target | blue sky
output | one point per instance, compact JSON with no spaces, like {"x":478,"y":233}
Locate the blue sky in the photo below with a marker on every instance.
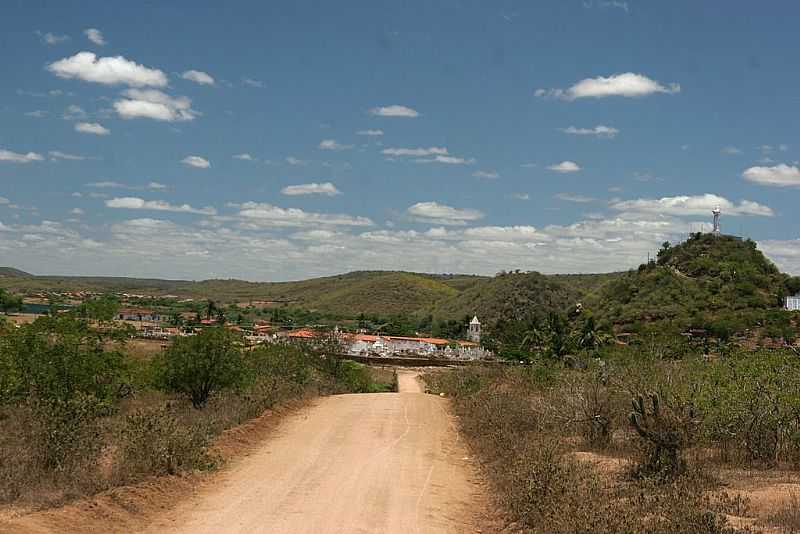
{"x":281,"y":140}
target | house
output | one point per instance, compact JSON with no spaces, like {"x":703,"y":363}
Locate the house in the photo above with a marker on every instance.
{"x":138,"y":314}
{"x":793,"y":303}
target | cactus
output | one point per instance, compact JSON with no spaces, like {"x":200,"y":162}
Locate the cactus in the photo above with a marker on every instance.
{"x":666,"y":431}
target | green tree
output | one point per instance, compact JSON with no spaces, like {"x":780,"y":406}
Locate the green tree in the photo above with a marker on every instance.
{"x":9,"y":302}
{"x":102,"y":309}
{"x":199,"y":366}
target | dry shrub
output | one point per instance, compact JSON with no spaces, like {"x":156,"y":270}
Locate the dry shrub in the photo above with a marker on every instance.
{"x":786,"y":518}
{"x":509,"y":423}
{"x":154,"y":442}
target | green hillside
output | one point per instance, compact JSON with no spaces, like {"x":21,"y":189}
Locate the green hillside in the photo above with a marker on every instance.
{"x":705,"y":282}
{"x":513,"y":297}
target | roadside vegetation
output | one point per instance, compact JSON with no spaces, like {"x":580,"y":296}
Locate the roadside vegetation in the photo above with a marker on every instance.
{"x":631,"y":443}
{"x":79,"y":414}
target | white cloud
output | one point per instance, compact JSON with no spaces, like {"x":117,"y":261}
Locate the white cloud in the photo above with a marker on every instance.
{"x":36,"y":114}
{"x":325,"y":188}
{"x":196,"y":161}
{"x":565,"y":167}
{"x":258,"y":84}
{"x":394,"y":111}
{"x":291,"y":160}
{"x":107,"y":185}
{"x":58,"y":155}
{"x":371,"y":133}
{"x":417,"y":152}
{"x":435,"y":213}
{"x":451,"y":160}
{"x":74,"y":112}
{"x":627,"y":84}
{"x":597,"y":131}
{"x":52,"y":39}
{"x":134,"y":203}
{"x":77,"y":211}
{"x":198,"y":76}
{"x":116,"y":70}
{"x":156,"y":186}
{"x":154,"y":104}
{"x":91,"y":128}
{"x":95,"y":36}
{"x":331,"y":144}
{"x":269,"y":215}
{"x":521,"y":196}
{"x":693,"y":205}
{"x":15,"y":157}
{"x":572,"y":197}
{"x":486,"y":174}
{"x":780,"y":175}
{"x":244,"y":157}
{"x":731,"y":151}
{"x":4,"y":200}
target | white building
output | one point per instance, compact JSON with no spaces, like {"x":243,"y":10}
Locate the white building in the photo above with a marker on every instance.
{"x":793,"y":303}
{"x":474,"y":330}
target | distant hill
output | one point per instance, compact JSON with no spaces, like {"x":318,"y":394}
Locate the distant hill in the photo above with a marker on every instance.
{"x":700,"y":283}
{"x":514,"y":297}
{"x":9,"y":272}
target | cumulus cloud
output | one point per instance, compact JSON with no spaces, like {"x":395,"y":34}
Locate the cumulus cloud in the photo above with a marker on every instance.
{"x":371,"y":133}
{"x":572,"y":197}
{"x":597,"y":131}
{"x":135,"y":203}
{"x":686,"y":205}
{"x":244,"y":157}
{"x":565,"y":167}
{"x":52,"y":38}
{"x":417,"y":152}
{"x":107,"y":185}
{"x":325,"y":188}
{"x":198,"y":76}
{"x":156,"y":186}
{"x":520,"y":196}
{"x":628,"y":84}
{"x":250,"y":82}
{"x":36,"y":114}
{"x":16,"y":157}
{"x":731,"y":151}
{"x":435,"y":213}
{"x":451,"y":160}
{"x":58,"y":155}
{"x":269,"y":215}
{"x":331,"y":144}
{"x":95,"y":36}
{"x":394,"y":111}
{"x":296,"y":162}
{"x":486,"y":174}
{"x":196,"y":161}
{"x":780,"y":175}
{"x":116,"y":70}
{"x":91,"y":128}
{"x":154,"y":104}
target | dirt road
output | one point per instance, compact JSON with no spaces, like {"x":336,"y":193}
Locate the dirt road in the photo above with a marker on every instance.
{"x":377,"y":463}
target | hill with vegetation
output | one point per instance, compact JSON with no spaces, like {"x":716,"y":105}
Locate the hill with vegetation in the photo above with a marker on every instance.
{"x":514,"y":296}
{"x":9,"y":272}
{"x":720,"y":283}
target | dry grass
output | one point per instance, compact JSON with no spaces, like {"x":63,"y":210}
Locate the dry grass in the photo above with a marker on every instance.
{"x":532,"y":431}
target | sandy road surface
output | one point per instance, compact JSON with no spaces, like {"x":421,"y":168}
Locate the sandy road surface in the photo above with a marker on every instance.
{"x":378,"y":463}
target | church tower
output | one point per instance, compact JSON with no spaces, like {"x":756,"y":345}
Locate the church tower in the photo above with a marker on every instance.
{"x":474,"y":330}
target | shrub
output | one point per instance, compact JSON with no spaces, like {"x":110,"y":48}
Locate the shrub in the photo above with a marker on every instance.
{"x":199,"y":366}
{"x":60,"y":358}
{"x":154,"y":442}
{"x":66,"y":434}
